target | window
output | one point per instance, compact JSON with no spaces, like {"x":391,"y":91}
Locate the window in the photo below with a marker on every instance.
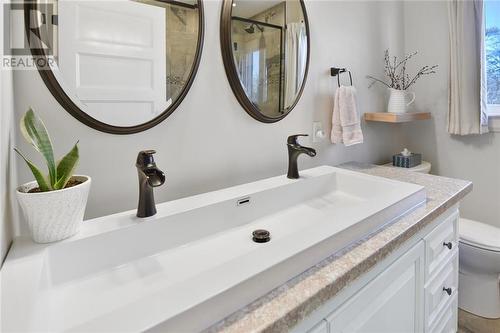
{"x":492,"y":50}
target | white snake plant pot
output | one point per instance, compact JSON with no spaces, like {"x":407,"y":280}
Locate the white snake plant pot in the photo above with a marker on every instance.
{"x":54,"y":215}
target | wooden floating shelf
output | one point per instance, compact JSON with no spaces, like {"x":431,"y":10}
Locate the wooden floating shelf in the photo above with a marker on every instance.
{"x":387,"y":117}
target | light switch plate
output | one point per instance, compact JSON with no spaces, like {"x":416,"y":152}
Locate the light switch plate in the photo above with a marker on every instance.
{"x":318,"y":134}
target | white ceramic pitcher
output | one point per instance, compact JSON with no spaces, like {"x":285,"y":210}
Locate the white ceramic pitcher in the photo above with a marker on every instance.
{"x":398,"y":100}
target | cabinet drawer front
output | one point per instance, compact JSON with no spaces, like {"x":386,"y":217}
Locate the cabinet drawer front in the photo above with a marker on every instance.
{"x":441,"y":289}
{"x":390,"y":303}
{"x":440,"y":244}
{"x":448,"y":320}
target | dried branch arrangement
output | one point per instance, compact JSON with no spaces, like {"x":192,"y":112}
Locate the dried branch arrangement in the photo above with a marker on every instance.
{"x":396,"y":72}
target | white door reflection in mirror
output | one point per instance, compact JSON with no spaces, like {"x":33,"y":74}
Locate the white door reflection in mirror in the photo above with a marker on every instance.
{"x":121,"y":66}
{"x":112,"y":59}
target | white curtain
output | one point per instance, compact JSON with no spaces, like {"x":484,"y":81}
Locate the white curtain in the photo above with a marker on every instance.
{"x":251,"y":69}
{"x":8,"y":177}
{"x":244,"y":64}
{"x":295,"y":60}
{"x":467,"y":86}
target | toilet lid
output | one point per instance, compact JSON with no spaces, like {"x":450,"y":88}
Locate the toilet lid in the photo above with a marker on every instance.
{"x":480,"y":234}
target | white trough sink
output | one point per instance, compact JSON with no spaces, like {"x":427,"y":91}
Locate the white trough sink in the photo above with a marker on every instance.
{"x":194,"y":262}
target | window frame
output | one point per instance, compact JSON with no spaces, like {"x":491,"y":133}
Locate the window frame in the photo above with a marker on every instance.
{"x":493,"y":110}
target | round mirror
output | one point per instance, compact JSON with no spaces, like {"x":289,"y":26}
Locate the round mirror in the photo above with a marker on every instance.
{"x":119,"y":66}
{"x":265,"y":47}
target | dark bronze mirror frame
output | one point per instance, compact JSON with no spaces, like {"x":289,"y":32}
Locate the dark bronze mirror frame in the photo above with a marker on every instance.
{"x":66,"y":102}
{"x":232,"y":74}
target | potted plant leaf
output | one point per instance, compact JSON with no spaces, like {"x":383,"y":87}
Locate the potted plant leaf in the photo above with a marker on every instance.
{"x":53,"y":204}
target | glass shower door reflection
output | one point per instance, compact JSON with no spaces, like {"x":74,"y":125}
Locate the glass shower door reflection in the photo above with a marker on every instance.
{"x":257,"y":50}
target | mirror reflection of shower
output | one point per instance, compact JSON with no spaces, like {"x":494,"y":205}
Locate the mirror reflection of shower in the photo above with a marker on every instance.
{"x":269,"y":51}
{"x":251,"y":28}
{"x":257,"y":52}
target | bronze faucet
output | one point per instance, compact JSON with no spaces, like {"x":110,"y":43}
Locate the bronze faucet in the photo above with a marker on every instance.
{"x":294,"y":151}
{"x":149,"y":176}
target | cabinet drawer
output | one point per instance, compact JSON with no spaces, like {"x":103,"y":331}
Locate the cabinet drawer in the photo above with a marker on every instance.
{"x":392,"y":302}
{"x":441,"y":289}
{"x":440,"y":244}
{"x":447,"y":322}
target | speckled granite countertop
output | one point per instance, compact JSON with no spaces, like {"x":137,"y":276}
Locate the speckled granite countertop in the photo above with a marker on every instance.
{"x":284,"y":307}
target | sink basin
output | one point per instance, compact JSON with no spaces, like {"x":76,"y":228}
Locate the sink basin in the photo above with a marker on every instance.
{"x":194,"y":262}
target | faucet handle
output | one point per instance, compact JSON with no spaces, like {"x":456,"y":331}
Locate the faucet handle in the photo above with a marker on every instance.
{"x":292,"y":139}
{"x":145,"y":158}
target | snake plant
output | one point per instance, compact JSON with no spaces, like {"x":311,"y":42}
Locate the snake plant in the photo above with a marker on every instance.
{"x":60,"y":173}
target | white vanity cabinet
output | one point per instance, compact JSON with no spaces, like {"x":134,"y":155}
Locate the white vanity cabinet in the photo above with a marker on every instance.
{"x":413,"y":290}
{"x":391,"y":302}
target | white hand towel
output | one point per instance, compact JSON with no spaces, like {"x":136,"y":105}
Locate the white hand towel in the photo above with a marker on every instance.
{"x":346,"y":126}
{"x":336,"y":135}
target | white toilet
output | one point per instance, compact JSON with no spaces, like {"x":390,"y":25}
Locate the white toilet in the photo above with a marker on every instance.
{"x":479,"y":284}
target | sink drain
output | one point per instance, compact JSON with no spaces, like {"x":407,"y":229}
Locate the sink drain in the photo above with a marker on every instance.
{"x":261,"y":236}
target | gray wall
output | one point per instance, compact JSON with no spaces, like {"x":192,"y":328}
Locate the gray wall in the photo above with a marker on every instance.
{"x":210,"y":142}
{"x":474,"y":158}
